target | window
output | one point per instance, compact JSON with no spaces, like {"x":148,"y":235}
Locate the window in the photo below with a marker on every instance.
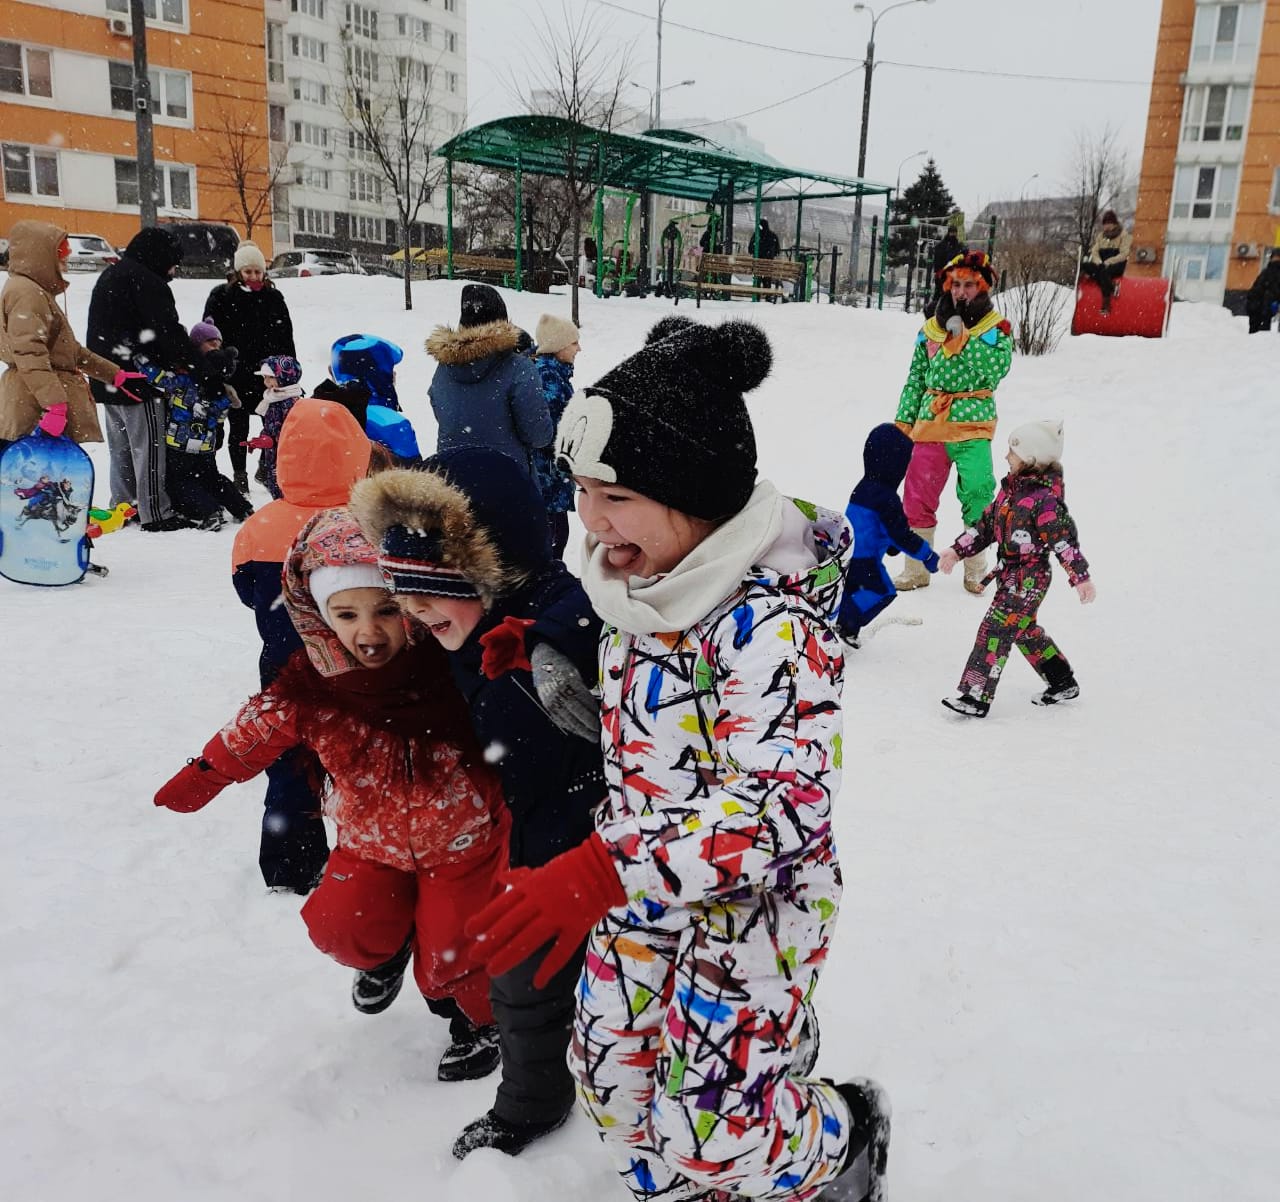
{"x":1197,"y":261}
{"x":312,"y":49}
{"x":413,"y":27}
{"x":308,"y":8}
{"x":172,"y":190}
{"x":275,"y":52}
{"x":1215,"y":114}
{"x":312,"y":177}
{"x":1226,"y":33}
{"x":453,"y":81}
{"x":1202,"y":193}
{"x":30,"y":172}
{"x":307,"y":133}
{"x":362,"y":22}
{"x":1275,"y":192}
{"x":277,"y":127}
{"x":451,"y":42}
{"x":450,"y":6}
{"x":313,"y":221}
{"x":364,"y":185}
{"x":359,"y":146}
{"x":310,"y":90}
{"x":168,"y":90}
{"x":362,"y":64}
{"x":25,"y":72}
{"x":414,"y":72}
{"x":367,"y":229}
{"x":171,"y":12}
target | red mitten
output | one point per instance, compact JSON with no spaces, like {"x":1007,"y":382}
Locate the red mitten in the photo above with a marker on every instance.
{"x":136,"y":386}
{"x":262,"y":442}
{"x":504,"y":647}
{"x":198,"y":783}
{"x":560,"y":901}
{"x":54,"y":420}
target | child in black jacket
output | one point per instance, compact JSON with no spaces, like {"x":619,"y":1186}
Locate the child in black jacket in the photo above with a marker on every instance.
{"x":464,"y":547}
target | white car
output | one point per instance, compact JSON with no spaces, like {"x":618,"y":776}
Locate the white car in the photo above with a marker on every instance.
{"x":90,"y":253}
{"x":294,"y":263}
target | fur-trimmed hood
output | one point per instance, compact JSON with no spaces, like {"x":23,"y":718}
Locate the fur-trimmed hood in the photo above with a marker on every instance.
{"x":484,"y":511}
{"x":475,"y":348}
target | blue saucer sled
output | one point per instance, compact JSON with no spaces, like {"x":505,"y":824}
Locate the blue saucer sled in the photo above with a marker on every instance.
{"x":46,"y":488}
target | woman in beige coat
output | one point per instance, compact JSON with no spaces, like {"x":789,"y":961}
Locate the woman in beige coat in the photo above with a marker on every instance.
{"x":45,"y":366}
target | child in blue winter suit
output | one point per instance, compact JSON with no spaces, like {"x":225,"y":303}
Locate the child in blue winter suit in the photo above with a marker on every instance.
{"x":558,"y":347}
{"x":879,"y":526}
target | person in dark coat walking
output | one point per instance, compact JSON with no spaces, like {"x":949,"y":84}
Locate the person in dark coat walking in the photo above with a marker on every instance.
{"x":483,"y":393}
{"x":764,"y":242}
{"x":464,"y":547}
{"x":947,"y":248}
{"x":133,"y":320}
{"x":880,"y":526}
{"x":1264,"y":295}
{"x":252,"y":314}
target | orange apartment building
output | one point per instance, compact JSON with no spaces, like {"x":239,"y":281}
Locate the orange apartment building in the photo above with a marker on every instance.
{"x":67,"y":117}
{"x":1209,"y":195}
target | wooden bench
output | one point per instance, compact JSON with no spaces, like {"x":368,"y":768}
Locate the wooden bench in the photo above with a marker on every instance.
{"x":463,"y":263}
{"x":776,"y":271}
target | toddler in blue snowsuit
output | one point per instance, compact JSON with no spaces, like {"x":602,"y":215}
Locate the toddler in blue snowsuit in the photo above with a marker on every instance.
{"x":879,"y":526}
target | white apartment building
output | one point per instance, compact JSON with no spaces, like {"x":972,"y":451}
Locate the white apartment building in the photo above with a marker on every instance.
{"x":333,"y":193}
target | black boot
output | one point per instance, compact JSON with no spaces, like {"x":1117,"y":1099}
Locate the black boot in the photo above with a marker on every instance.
{"x":374,"y":989}
{"x":491,"y":1131}
{"x":472,"y":1053}
{"x":1057,"y":674}
{"x":862,"y":1177}
{"x":967,"y":706}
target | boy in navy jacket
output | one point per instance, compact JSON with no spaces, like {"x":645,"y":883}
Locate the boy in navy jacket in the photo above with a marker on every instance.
{"x":880,"y":527}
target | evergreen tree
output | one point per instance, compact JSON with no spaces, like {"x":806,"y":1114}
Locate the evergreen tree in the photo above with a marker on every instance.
{"x":927,"y":198}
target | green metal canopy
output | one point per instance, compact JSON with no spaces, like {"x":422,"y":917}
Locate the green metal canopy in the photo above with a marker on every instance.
{"x":663,"y":161}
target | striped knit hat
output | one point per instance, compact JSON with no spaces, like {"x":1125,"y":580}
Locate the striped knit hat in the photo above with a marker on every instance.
{"x":412,"y":561}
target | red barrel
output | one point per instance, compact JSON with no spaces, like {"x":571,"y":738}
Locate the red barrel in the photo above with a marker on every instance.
{"x":1139,"y":308}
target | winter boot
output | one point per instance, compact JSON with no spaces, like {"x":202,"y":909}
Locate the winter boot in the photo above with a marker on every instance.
{"x":806,"y":1057}
{"x":862,"y":1178}
{"x":967,"y":706}
{"x":240,"y":478}
{"x":472,"y":1053}
{"x":1061,"y":682}
{"x":914,"y":573}
{"x":214,"y":521}
{"x":975,"y":568}
{"x":374,"y":989}
{"x":490,"y":1131}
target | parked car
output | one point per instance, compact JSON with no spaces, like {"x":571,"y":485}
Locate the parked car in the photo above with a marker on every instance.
{"x":208,"y":247}
{"x":90,"y":253}
{"x":294,"y":263}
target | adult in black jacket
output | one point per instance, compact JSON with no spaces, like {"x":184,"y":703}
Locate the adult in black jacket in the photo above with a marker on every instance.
{"x":947,"y":248}
{"x":764,"y":242}
{"x":1264,"y":295}
{"x":253,"y":317}
{"x":133,"y":320}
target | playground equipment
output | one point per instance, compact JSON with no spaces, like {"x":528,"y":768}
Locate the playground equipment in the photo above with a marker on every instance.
{"x":1139,"y":308}
{"x":617,"y":267}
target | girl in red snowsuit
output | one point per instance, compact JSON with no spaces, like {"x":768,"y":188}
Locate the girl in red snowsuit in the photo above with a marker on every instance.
{"x":422,"y":826}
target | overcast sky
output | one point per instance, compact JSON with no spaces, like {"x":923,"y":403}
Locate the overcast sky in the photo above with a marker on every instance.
{"x":989,"y":133}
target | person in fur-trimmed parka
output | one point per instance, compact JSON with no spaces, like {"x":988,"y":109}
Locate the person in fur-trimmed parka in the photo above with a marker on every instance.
{"x":465,"y":548}
{"x":483,"y":394}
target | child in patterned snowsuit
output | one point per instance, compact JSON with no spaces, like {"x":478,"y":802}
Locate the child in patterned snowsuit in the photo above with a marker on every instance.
{"x":282,"y":386}
{"x":1026,"y":522}
{"x":879,"y":526}
{"x":711,"y":884}
{"x":464,"y":544}
{"x":948,"y":406}
{"x":422,"y":828}
{"x":558,"y":347}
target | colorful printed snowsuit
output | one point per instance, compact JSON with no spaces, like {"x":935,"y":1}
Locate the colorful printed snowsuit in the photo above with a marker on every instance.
{"x":948,"y":407}
{"x":722,"y":754}
{"x":1027,"y":521}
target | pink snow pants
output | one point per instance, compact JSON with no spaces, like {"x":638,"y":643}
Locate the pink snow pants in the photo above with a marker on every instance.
{"x":926,"y":478}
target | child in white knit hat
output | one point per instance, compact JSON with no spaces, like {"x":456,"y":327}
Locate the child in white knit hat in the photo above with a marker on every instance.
{"x":1026,"y":522}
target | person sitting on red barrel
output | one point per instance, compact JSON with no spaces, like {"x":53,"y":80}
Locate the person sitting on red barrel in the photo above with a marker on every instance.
{"x":1108,"y":256}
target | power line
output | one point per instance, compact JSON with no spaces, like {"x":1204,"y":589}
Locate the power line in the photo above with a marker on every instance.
{"x":1137,"y":83}
{"x":785,"y":100}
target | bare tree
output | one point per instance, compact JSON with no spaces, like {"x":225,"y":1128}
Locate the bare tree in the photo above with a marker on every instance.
{"x":580,"y":79}
{"x":239,"y":169}
{"x":1037,"y":271}
{"x":1098,"y":174}
{"x":387,"y":106}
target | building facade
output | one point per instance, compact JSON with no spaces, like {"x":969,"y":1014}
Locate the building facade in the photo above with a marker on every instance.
{"x":1209,"y":196}
{"x":67,"y":111}
{"x":319,"y":53}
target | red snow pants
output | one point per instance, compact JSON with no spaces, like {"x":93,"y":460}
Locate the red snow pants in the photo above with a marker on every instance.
{"x":361,"y":913}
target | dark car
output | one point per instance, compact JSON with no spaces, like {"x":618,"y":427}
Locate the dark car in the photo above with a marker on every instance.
{"x":208,"y":247}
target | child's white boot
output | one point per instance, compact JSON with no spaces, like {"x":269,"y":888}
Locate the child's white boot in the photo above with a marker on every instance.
{"x":975,"y":568}
{"x":914,"y":573}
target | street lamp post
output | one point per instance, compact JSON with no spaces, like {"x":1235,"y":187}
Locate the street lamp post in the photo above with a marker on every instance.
{"x":868,"y":67}
{"x":897,"y":187}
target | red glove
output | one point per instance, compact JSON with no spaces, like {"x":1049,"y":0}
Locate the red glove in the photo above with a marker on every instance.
{"x":262,"y":442}
{"x":198,"y":783}
{"x":140,"y":388}
{"x":560,"y":901}
{"x":54,"y":420}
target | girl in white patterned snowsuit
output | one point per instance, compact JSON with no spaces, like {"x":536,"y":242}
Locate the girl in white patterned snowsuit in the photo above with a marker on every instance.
{"x":710,"y":886}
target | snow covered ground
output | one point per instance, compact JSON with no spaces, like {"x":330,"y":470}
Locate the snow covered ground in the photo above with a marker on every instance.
{"x":1059,"y":941}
